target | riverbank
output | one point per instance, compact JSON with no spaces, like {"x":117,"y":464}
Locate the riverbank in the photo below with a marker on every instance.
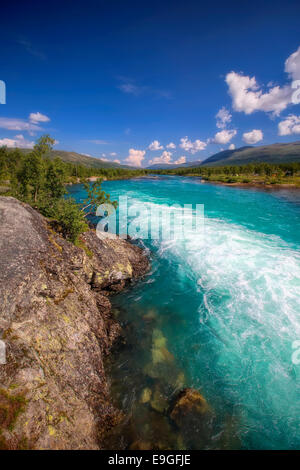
{"x":93,"y":179}
{"x":288,"y":182}
{"x":57,"y":327}
{"x":253,"y":184}
{"x":251,"y":174}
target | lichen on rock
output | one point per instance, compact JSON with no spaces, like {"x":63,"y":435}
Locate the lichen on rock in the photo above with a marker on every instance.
{"x":56,"y":321}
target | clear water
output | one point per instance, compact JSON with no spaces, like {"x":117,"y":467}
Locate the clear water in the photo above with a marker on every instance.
{"x":228,"y":306}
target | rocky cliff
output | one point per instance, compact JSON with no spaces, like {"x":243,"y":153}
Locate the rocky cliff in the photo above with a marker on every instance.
{"x":56,"y":324}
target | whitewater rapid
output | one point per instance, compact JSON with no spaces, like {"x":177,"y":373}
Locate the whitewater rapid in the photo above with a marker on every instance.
{"x":248,"y":289}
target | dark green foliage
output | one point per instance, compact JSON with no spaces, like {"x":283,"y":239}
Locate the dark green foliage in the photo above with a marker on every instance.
{"x":30,"y":177}
{"x":70,"y":220}
{"x":79,"y":159}
{"x":43,"y":145}
{"x":39,"y":181}
{"x":237,"y":173}
{"x":95,"y":197}
{"x":26,"y":169}
{"x":55,"y":179}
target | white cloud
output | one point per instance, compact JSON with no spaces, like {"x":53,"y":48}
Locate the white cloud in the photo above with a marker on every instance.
{"x":180,"y":160}
{"x":190,"y":146}
{"x":104,"y":156}
{"x":253,"y":137}
{"x":223,"y":117}
{"x":164,"y":158}
{"x":17,"y":141}
{"x":38,"y":117}
{"x":231,"y":147}
{"x":223,"y":137}
{"x":135,"y":157}
{"x":248,"y":96}
{"x":292,"y":65}
{"x":171,"y":145}
{"x":290,"y":125}
{"x":13,"y":124}
{"x":155,"y":145}
{"x":31,"y":126}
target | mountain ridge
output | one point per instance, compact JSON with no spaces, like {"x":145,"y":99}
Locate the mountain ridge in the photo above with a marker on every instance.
{"x":80,"y":159}
{"x":273,"y":153}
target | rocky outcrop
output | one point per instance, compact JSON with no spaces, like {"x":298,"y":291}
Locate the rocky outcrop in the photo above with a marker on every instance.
{"x":193,"y":417}
{"x":56,"y":324}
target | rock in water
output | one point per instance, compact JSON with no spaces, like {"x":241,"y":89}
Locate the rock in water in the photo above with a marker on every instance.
{"x":57,"y":326}
{"x":193,"y":417}
{"x":146,"y":395}
{"x":188,"y":401}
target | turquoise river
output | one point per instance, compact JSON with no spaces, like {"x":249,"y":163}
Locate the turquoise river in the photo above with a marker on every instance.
{"x":224,"y":305}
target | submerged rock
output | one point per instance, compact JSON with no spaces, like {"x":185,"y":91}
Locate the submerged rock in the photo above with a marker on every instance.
{"x":150,"y":316}
{"x":57,"y":326}
{"x":159,"y":402}
{"x":180,"y":381}
{"x":163,"y":370}
{"x":188,"y":402}
{"x":141,"y":445}
{"x":153,"y":430}
{"x":158,"y":339}
{"x":146,"y":395}
{"x":193,"y":417}
{"x":159,"y":351}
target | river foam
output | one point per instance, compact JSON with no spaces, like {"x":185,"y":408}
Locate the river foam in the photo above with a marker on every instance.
{"x":247,"y":285}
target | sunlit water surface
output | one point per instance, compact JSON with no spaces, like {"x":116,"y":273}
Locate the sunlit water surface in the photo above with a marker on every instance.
{"x":227,"y":305}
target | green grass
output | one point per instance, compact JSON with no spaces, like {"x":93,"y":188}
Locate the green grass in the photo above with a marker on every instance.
{"x":251,"y":180}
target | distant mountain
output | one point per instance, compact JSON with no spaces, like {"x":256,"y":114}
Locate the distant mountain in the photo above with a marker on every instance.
{"x":192,"y":164}
{"x":80,"y":159}
{"x":170,"y":166}
{"x":275,"y":153}
{"x":223,"y":155}
{"x":162,"y":166}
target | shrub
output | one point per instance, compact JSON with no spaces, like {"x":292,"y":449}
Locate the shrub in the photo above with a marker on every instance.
{"x":232,"y":180}
{"x":70,"y":220}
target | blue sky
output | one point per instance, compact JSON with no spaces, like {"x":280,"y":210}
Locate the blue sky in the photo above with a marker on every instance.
{"x":110,"y":78}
